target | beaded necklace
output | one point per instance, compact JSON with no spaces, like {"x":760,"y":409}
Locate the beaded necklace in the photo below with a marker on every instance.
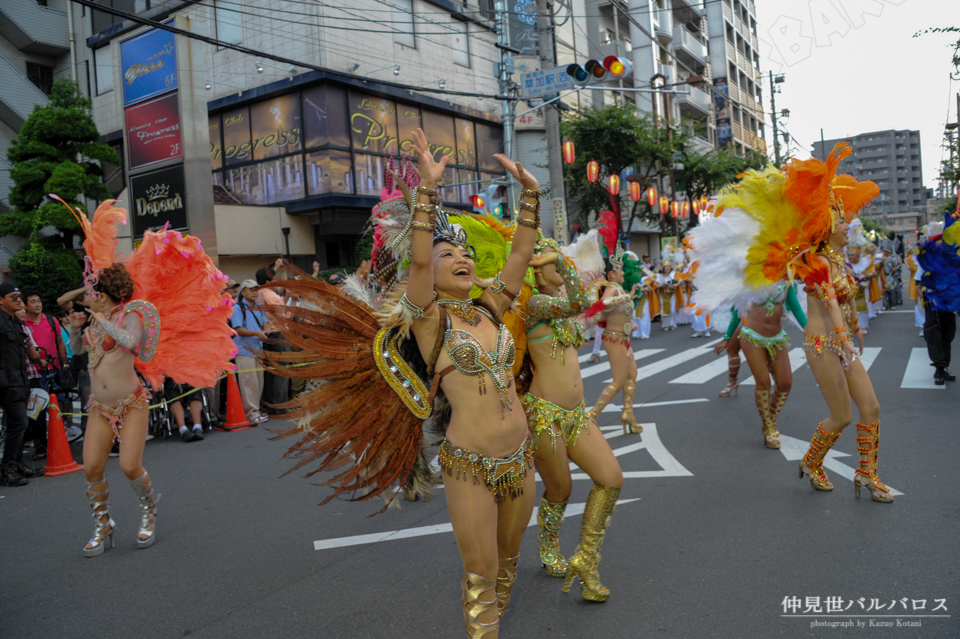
{"x":464,"y":309}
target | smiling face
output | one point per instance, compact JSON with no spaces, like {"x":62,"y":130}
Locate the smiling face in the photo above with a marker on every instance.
{"x":453,"y":270}
{"x":839,"y":238}
{"x":615,"y":276}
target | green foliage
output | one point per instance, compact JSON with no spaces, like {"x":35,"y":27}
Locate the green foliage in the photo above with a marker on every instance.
{"x":57,"y":150}
{"x":617,"y":137}
{"x":705,"y":174}
{"x":956,"y":46}
{"x":364,"y":246}
{"x":52,"y":273}
{"x":870,"y":225}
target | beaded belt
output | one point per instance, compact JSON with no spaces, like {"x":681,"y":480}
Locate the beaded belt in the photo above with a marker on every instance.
{"x":503,"y":476}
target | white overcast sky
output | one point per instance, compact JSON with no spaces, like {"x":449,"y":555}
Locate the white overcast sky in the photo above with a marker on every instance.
{"x":853,"y":66}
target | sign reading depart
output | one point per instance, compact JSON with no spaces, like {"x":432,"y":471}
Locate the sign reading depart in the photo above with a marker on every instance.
{"x":153,"y":131}
{"x":157,"y":198}
{"x":149,"y":65}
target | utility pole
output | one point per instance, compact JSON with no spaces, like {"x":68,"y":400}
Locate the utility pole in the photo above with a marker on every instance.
{"x":505,"y":83}
{"x":773,"y":109}
{"x":554,"y":217}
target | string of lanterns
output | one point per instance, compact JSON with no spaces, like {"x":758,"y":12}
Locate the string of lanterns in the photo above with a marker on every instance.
{"x":675,"y":209}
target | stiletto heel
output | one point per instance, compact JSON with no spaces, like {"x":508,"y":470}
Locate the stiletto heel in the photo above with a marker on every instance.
{"x":583,"y":564}
{"x":629,"y":421}
{"x":102,"y":530}
{"x":148,"y":510}
{"x":866,"y":475}
{"x":821,"y":443}
{"x":769,"y":427}
{"x":549,"y":519}
{"x":733,"y":370}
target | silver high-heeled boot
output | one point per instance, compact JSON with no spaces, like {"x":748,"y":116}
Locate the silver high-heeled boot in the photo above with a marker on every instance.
{"x":102,"y":530}
{"x":148,"y":508}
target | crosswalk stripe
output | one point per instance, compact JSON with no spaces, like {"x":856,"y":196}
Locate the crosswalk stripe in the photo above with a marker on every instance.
{"x":797,"y":360}
{"x":596,"y":369}
{"x":917,"y":374}
{"x":870,"y":356}
{"x":674,"y":360}
{"x":704,"y":373}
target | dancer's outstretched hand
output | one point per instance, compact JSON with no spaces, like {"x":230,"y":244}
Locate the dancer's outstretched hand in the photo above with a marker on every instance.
{"x":523,"y":176}
{"x":428,"y":168}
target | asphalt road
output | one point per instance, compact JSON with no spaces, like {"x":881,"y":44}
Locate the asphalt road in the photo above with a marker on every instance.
{"x":715,"y":533}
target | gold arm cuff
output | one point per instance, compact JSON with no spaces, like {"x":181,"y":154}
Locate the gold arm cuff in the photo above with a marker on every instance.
{"x":522,"y":221}
{"x":423,"y":226}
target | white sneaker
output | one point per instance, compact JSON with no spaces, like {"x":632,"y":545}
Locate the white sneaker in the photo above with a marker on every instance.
{"x":262,"y":418}
{"x":74,"y":433}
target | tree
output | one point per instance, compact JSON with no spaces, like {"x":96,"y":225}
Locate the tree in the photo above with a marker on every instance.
{"x":57,"y":150}
{"x":618,"y":138}
{"x":705,"y":174}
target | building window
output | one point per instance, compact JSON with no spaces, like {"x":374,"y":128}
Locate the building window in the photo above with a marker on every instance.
{"x":103,"y":69}
{"x":403,"y":23}
{"x":228,"y":17}
{"x":461,"y":44}
{"x":41,"y":76}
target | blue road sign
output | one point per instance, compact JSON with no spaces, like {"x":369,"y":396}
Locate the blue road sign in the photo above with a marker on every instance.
{"x":545,"y":82}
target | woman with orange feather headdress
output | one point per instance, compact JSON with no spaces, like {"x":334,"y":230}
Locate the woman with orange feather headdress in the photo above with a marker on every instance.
{"x":167,"y":281}
{"x":802,"y":217}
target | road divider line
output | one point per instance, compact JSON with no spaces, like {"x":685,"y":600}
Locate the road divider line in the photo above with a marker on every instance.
{"x":596,"y":369}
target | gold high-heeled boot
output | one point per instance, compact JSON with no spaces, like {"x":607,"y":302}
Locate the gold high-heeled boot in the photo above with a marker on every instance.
{"x":821,"y":443}
{"x":627,"y":416}
{"x":583,"y":564}
{"x":866,"y":475}
{"x":549,"y":518}
{"x":605,"y":398}
{"x":770,"y":434}
{"x":148,"y":511}
{"x":473,"y":587}
{"x":733,"y":371}
{"x":778,"y":399}
{"x":102,"y":530}
{"x":505,"y":580}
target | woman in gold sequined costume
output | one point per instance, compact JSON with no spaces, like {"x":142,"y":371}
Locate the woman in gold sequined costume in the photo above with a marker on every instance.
{"x":487,"y":452}
{"x":561,"y":429}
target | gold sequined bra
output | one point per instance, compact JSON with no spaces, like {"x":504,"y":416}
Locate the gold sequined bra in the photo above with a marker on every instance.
{"x":471,"y":358}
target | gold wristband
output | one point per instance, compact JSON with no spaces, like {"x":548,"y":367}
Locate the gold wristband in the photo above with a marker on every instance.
{"x":425,"y":208}
{"x":427,"y":191}
{"x":533,"y":208}
{"x":423,"y":226}
{"x":533,"y":224}
{"x":531,"y":193}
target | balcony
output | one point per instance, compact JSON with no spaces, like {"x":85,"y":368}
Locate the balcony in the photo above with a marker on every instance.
{"x":738,"y":23}
{"x":18,"y":97}
{"x":761,"y":145}
{"x":34,"y":29}
{"x":695,"y":105}
{"x":758,"y":76}
{"x":664,"y":26}
{"x":754,"y":41}
{"x":688,"y":47}
{"x":734,"y":91}
{"x":696,"y":6}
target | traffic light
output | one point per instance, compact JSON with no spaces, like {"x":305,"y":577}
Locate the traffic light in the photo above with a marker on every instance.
{"x":595,"y":71}
{"x":486,"y":201}
{"x":476,"y":201}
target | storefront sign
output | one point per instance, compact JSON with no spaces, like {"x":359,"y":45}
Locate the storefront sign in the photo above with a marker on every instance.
{"x":149,"y":65}
{"x":158,"y":198}
{"x":153,"y":131}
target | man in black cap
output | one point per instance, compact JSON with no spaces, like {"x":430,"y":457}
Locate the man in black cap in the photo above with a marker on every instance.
{"x":14,"y":391}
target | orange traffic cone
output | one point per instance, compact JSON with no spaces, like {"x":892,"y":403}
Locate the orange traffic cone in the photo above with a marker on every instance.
{"x":236,"y":417}
{"x":59,"y":458}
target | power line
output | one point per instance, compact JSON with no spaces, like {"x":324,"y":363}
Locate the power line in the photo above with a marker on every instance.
{"x":268,"y":56}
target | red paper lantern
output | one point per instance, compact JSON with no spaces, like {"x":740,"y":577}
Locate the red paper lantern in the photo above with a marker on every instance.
{"x":635,"y":192}
{"x":695,"y":205}
{"x":613,"y":184}
{"x":651,"y":196}
{"x":593,"y":170}
{"x":569,"y":153}
{"x":664,"y":204}
{"x":674,"y":209}
{"x":684,"y":210}
{"x":704,"y":200}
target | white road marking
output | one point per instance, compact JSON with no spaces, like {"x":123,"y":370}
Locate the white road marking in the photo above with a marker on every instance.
{"x":649,"y":441}
{"x":583,"y":358}
{"x":674,"y":360}
{"x":392,"y":535}
{"x":794,"y":449}
{"x":919,"y":373}
{"x":596,"y":369}
{"x":797,"y":361}
{"x":870,"y":356}
{"x":704,"y":373}
{"x":611,"y":408}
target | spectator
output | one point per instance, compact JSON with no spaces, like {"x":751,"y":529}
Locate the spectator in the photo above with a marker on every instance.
{"x":233,"y":288}
{"x":75,"y":303}
{"x":276,"y":389}
{"x":316,"y":269}
{"x":249,"y":325}
{"x":181,"y":396}
{"x":46,"y":333}
{"x":14,"y":350}
{"x":336,"y":279}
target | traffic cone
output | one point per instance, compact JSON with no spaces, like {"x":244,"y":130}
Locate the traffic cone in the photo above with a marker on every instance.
{"x":236,"y":417}
{"x":59,"y":458}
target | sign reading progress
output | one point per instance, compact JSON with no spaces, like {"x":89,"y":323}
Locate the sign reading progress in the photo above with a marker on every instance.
{"x":157,"y":198}
{"x":545,"y":82}
{"x":153,"y":131}
{"x":149,"y":65}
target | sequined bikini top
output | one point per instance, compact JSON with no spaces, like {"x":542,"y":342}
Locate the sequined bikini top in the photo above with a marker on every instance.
{"x":99,"y":341}
{"x":471,"y":358}
{"x":843,"y":283}
{"x":770,"y":297}
{"x":564,"y":332}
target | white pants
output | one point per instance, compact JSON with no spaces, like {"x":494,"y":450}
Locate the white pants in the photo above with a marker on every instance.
{"x":251,"y":385}
{"x":700,"y":323}
{"x":864,"y":320}
{"x":918,"y":314}
{"x":641,"y":323}
{"x":597,"y":335}
{"x":668,"y":320}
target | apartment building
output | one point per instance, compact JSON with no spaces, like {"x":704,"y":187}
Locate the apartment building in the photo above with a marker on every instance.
{"x":892,"y":160}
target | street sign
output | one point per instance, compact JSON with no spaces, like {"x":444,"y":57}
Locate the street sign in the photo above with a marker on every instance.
{"x":545,"y":82}
{"x":559,"y":221}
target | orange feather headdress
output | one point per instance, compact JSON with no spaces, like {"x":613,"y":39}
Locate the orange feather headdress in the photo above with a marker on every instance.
{"x":100,"y":241}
